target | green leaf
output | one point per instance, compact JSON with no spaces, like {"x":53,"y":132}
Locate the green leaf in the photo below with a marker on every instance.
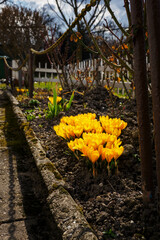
{"x":55,"y":101}
{"x":68,"y":105}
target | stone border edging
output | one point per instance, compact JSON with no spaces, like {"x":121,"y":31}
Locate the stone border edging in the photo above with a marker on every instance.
{"x":67,"y":215}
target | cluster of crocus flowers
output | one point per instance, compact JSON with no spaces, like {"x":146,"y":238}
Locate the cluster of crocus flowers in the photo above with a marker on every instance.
{"x":22,"y":90}
{"x":96,"y":140}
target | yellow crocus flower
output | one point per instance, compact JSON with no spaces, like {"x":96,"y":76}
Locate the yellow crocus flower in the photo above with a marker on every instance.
{"x":93,"y":155}
{"x":51,"y":99}
{"x":79,"y":143}
{"x":109,"y":154}
{"x":118,"y":152}
{"x":78,"y":131}
{"x":71,"y":145}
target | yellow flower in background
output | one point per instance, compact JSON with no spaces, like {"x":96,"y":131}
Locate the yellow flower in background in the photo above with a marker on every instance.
{"x":118,"y":70}
{"x":118,"y":79}
{"x":60,"y":89}
{"x":59,"y":99}
{"x":51,"y":99}
{"x":111,"y":59}
{"x":75,"y":36}
{"x":22,"y":90}
{"x":124,"y":46}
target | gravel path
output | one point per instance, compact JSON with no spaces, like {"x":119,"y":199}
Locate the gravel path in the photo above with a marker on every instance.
{"x":24,"y":213}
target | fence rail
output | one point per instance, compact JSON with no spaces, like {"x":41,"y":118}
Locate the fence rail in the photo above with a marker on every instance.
{"x":45,"y":74}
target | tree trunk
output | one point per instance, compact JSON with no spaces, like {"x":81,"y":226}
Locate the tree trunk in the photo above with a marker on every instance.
{"x":153,"y":23}
{"x":140,"y":79}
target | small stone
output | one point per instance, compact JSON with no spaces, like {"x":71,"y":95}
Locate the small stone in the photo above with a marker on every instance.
{"x":101,"y":185}
{"x":128,"y":149}
{"x":98,"y":198}
{"x":102,"y":216}
{"x":135,"y":134}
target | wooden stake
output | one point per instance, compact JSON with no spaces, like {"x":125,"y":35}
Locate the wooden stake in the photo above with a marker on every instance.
{"x":31,"y":81}
{"x":140,"y":80}
{"x":153,"y":23}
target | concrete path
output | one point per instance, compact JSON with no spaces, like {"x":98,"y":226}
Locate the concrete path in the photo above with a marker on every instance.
{"x":23,"y":211}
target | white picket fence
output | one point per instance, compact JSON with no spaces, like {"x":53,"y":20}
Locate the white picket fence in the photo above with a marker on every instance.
{"x":106,"y":74}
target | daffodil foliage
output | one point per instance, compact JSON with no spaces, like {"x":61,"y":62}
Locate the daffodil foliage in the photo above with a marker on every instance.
{"x":57,"y":104}
{"x":97,"y":140}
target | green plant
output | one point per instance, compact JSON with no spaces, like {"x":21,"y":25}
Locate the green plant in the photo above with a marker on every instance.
{"x":53,"y":106}
{"x":30,"y":117}
{"x":29,"y":111}
{"x":3,"y":86}
{"x":109,"y":234}
{"x":34,"y":103}
{"x":42,"y":85}
{"x":67,"y":104}
{"x":57,"y":104}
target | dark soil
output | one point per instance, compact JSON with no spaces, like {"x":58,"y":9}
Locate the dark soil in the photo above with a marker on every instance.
{"x":112,"y":205}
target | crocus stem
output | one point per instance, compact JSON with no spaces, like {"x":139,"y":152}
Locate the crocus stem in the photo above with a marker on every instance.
{"x":94,"y":171}
{"x":76,"y":155}
{"x":116,"y":167}
{"x":109,"y":173}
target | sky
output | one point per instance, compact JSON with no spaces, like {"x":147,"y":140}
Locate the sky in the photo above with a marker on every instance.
{"x":116,"y":5}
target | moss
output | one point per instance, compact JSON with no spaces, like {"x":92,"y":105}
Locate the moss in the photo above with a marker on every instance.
{"x":63,"y":191}
{"x":34,"y":140}
{"x":57,"y":175}
{"x":50,"y":166}
{"x":80,"y":209}
{"x":3,"y":142}
{"x":1,"y":126}
{"x":29,"y":133}
{"x":24,"y":125}
{"x":25,"y":128}
{"x":54,"y":187}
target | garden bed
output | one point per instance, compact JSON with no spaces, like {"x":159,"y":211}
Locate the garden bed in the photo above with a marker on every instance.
{"x":113,"y":204}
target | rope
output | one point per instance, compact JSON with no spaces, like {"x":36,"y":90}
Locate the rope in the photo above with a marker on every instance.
{"x":80,"y":16}
{"x":15,"y":69}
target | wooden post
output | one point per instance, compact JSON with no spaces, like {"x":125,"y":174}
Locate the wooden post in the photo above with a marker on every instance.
{"x":153,"y":24}
{"x":31,"y":82}
{"x":6,"y":74}
{"x":140,"y":79}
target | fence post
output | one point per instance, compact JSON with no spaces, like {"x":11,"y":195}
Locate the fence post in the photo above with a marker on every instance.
{"x":98,"y":73}
{"x":6,"y":74}
{"x":31,"y":74}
